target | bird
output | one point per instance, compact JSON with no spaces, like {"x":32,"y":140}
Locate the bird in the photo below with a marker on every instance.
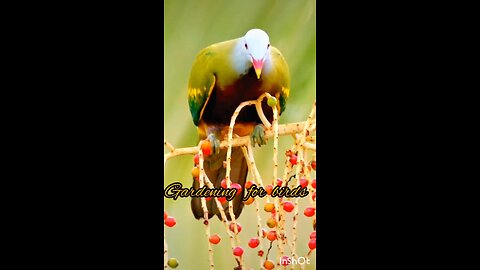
{"x":222,"y":76}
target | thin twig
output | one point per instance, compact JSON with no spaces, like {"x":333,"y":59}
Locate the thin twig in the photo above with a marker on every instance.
{"x":205,"y":209}
{"x":165,"y":250}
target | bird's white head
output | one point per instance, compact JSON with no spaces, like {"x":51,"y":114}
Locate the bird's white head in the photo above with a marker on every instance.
{"x":257,"y":44}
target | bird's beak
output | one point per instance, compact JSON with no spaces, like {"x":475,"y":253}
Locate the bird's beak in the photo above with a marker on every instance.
{"x":258,"y":66}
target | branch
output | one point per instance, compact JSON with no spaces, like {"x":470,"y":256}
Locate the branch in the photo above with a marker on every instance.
{"x":284,"y":129}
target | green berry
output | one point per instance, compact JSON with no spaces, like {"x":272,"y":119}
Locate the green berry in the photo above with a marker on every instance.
{"x":272,"y":102}
{"x":173,"y":263}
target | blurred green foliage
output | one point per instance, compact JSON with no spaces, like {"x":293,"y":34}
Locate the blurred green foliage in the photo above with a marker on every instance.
{"x":191,"y":25}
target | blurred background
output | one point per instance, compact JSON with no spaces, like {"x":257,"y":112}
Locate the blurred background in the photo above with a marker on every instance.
{"x":191,"y":25}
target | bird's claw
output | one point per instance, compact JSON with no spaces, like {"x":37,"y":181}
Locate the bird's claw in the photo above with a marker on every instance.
{"x":215,"y":143}
{"x":258,"y":135}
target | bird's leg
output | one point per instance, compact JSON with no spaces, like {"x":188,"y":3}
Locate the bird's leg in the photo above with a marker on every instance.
{"x":215,"y":142}
{"x":258,"y":135}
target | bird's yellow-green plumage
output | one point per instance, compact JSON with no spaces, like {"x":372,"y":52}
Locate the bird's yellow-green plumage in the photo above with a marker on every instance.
{"x":214,"y":65}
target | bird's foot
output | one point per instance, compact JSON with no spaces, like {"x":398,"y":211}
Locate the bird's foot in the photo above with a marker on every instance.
{"x":258,"y":135}
{"x":215,"y":142}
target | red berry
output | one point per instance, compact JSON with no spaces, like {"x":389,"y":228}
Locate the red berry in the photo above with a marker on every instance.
{"x":214,"y":239}
{"x":222,"y":200}
{"x":260,"y":253}
{"x":208,"y":198}
{"x":268,"y":264}
{"x":309,"y":211}
{"x":279,"y":182}
{"x":314,"y":196}
{"x":196,"y":159}
{"x":232,"y":227}
{"x":248,"y":184}
{"x":165,"y":215}
{"x":312,"y":244}
{"x":223,"y":184}
{"x":293,"y":159}
{"x":170,"y":221}
{"x":269,"y":189}
{"x":314,"y":183}
{"x":237,"y":187}
{"x":285,"y":261}
{"x":288,"y":206}
{"x":313,"y":235}
{"x":272,"y":235}
{"x":303,"y":182}
{"x":313,"y":164}
{"x":238,"y":251}
{"x":206,"y":148}
{"x":254,"y":242}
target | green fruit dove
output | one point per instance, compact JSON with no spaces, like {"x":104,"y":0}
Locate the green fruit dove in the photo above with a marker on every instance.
{"x":224,"y":75}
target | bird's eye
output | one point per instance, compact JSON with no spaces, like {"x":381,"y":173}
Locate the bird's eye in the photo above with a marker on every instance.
{"x":268,"y":46}
{"x":246,"y":46}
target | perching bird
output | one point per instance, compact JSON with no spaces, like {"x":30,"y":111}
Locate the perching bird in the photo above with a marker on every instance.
{"x":224,"y":75}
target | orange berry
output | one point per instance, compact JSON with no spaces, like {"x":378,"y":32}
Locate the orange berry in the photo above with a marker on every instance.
{"x":214,"y":239}
{"x":272,"y":235}
{"x":269,"y":207}
{"x":268,"y":264}
{"x":269,"y":189}
{"x":271,"y":222}
{"x":249,"y":201}
{"x":195,"y":172}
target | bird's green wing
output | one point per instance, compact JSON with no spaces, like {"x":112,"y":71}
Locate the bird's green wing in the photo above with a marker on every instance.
{"x":282,"y":77}
{"x":201,"y":83}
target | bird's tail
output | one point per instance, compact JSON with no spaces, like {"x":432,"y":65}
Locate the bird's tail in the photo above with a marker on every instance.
{"x":216,"y":172}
